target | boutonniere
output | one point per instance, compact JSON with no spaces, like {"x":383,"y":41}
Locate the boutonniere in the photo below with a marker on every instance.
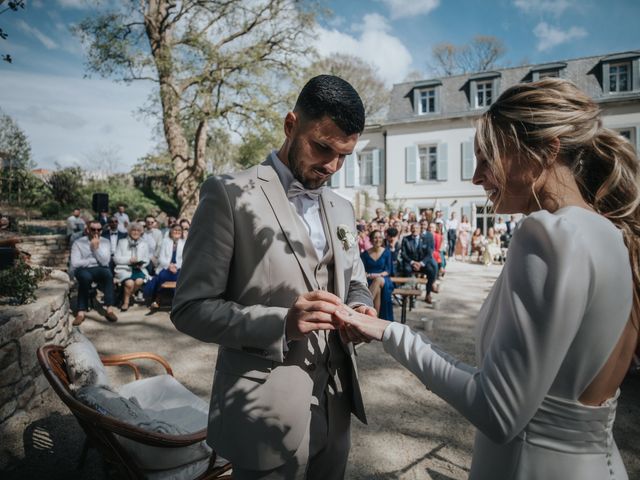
{"x":346,"y":236}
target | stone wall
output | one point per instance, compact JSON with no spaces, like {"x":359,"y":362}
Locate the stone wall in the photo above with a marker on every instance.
{"x":46,"y":250}
{"x":23,"y":329}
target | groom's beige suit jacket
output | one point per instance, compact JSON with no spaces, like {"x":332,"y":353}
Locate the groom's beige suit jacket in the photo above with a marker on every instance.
{"x":246,"y":259}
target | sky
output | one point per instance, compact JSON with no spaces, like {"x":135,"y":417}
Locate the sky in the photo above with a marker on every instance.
{"x":72,"y":119}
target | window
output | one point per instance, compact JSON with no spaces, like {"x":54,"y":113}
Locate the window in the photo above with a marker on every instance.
{"x":484,"y":94}
{"x":366,"y":168}
{"x":548,"y":74}
{"x":629,"y":133}
{"x":428,"y":162}
{"x":619,"y":77}
{"x":427,"y":102}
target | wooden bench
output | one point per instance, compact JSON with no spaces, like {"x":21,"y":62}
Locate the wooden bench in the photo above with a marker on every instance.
{"x":404,"y":280}
{"x":407,"y":294}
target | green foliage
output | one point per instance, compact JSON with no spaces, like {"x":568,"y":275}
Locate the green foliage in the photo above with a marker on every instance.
{"x":65,"y":185}
{"x":51,"y":209}
{"x":139,"y":201}
{"x":19,"y":283}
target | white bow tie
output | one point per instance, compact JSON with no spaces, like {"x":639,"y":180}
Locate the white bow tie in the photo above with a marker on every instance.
{"x":296,"y":189}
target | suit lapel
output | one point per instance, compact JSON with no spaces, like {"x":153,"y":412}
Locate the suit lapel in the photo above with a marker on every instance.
{"x":329,"y":213}
{"x":287,"y":219}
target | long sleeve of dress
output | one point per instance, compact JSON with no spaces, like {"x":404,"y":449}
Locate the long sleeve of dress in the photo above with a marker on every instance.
{"x":541,"y":300}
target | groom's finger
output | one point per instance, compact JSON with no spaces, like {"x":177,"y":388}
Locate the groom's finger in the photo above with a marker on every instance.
{"x":322,"y":295}
{"x":320,"y":306}
{"x":319,"y":318}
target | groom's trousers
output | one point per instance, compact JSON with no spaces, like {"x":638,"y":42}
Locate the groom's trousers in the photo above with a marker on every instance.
{"x":324,"y":450}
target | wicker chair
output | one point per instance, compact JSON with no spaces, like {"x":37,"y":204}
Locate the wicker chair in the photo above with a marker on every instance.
{"x":102,"y":430}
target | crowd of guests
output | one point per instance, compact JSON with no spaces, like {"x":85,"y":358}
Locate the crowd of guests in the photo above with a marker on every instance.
{"x":127,"y":260}
{"x":405,"y":244}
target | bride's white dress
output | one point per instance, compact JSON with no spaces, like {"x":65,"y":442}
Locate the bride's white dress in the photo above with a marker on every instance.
{"x":546,"y":329}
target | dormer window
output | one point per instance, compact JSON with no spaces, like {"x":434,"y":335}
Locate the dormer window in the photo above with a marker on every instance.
{"x":619,"y":73}
{"x":426,"y":97}
{"x":482,"y":89}
{"x":427,"y":103}
{"x":547,"y":70}
{"x":484,"y":93}
{"x":619,"y":77}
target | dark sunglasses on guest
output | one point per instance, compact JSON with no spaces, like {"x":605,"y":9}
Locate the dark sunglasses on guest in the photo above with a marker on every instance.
{"x":95,"y":229}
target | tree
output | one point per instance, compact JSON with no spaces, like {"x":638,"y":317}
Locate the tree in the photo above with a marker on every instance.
{"x":12,"y":5}
{"x":65,"y":185}
{"x":15,"y":157}
{"x":217,"y":64}
{"x":363,"y":76}
{"x":481,"y":54}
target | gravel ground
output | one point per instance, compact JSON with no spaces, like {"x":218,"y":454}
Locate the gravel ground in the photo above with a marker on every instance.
{"x":412,"y":434}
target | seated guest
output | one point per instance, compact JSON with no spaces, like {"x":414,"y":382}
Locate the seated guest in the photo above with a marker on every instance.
{"x":493,"y":252}
{"x":90,"y":256}
{"x":166,"y":231}
{"x":169,"y":263}
{"x":153,"y":236}
{"x":437,"y":243}
{"x":185,"y":224}
{"x":132,"y":255}
{"x":378,"y":263}
{"x":417,"y":257}
{"x":103,"y":218}
{"x":75,"y":226}
{"x":392,"y":243}
{"x":364,"y":243}
{"x":478,"y":243}
{"x":111,"y":233}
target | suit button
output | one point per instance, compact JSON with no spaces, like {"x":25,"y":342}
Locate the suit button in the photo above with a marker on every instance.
{"x":311,"y":367}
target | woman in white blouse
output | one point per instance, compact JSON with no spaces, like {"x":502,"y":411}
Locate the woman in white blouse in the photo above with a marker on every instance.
{"x":556,"y":334}
{"x":131,"y":257}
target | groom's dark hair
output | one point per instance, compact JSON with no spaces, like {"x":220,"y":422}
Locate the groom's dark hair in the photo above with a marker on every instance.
{"x":334,"y":97}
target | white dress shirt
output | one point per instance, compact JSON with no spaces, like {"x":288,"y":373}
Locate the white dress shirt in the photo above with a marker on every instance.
{"x":82,"y":256}
{"x":307,"y":208}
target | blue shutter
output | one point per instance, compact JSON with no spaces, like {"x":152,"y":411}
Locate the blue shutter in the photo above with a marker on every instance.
{"x":350,"y":171}
{"x":410,"y":164}
{"x":375,"y":154}
{"x":467,"y":160}
{"x":443,"y":162}
{"x":335,"y":180}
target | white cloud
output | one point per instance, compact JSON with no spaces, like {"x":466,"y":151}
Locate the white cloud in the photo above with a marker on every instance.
{"x":48,"y":42}
{"x":65,"y":117}
{"x":81,"y":4}
{"x":409,"y":8}
{"x":554,"y":7}
{"x":373,"y":43}
{"x":549,"y":37}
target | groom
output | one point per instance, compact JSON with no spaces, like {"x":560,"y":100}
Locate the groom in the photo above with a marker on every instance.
{"x":269,"y":258}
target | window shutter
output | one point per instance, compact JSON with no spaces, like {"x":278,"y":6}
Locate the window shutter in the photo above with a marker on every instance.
{"x":376,"y":166}
{"x":335,"y":180}
{"x":416,"y":101}
{"x":410,"y":164}
{"x":443,"y":163}
{"x":473,"y":94}
{"x":437,"y":99}
{"x":605,"y":77}
{"x":350,"y":171}
{"x":467,"y":160}
{"x":635,"y":74}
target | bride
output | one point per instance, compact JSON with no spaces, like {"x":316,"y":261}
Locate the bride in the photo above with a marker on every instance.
{"x":558,"y":330}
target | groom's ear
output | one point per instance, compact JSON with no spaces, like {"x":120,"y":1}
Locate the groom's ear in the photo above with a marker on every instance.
{"x":291,"y":122}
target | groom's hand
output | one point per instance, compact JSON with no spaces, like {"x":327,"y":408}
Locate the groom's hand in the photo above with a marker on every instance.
{"x":310,"y":312}
{"x":350,"y":334}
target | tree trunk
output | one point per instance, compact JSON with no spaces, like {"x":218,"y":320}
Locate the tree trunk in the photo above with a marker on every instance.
{"x":189,"y":171}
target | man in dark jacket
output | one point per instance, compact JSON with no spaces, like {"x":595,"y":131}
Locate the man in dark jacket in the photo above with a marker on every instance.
{"x":417,"y":257}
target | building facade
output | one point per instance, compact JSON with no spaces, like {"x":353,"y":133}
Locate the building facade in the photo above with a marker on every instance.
{"x":421,"y":156}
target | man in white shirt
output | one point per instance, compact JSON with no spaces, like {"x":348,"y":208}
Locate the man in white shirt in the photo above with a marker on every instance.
{"x":123,"y":218}
{"x":153,"y":236}
{"x":75,"y":226}
{"x":90,"y":257}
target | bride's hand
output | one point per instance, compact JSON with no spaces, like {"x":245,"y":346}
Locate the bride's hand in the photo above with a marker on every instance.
{"x":369,"y":327}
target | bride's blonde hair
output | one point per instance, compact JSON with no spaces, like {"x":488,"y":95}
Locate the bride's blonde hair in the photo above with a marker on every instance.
{"x":528,"y":118}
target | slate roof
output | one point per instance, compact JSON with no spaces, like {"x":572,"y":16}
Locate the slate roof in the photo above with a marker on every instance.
{"x":585,"y":72}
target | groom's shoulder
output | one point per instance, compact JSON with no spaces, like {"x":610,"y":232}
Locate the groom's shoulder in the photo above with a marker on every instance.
{"x":238,"y":178}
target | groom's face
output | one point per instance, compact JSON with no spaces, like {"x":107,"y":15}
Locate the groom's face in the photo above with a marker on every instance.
{"x":317,"y":148}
